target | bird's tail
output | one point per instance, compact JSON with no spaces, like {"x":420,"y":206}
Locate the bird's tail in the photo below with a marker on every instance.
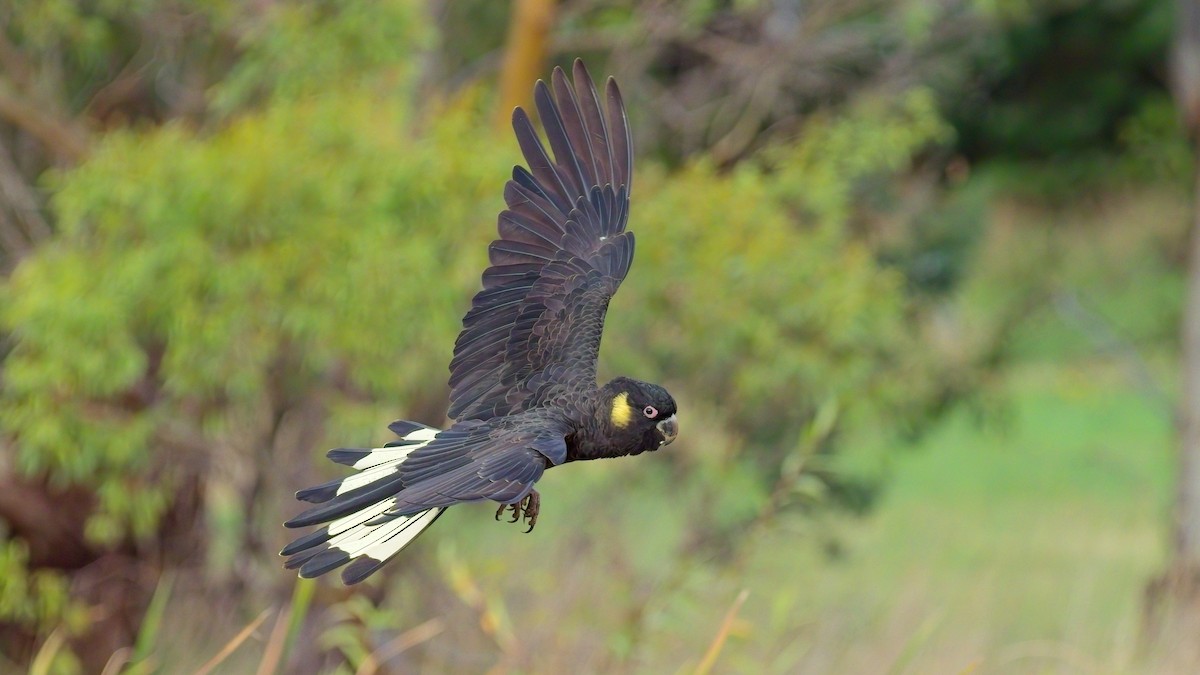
{"x":372,"y":534}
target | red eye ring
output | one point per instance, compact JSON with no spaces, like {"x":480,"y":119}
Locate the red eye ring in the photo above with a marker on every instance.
{"x":650,"y":411}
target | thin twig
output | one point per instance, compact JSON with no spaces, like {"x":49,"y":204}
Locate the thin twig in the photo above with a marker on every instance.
{"x":46,"y":655}
{"x":118,"y":660}
{"x":718,"y":642}
{"x":274,"y":651}
{"x":233,"y":644}
{"x":399,"y":644}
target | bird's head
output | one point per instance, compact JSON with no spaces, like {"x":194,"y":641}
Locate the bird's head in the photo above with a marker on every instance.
{"x":641,"y":414}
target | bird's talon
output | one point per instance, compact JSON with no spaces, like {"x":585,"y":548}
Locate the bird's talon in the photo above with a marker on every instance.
{"x":526,"y":510}
{"x":533,"y":505}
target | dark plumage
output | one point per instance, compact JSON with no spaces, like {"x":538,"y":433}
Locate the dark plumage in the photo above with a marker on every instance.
{"x":523,"y":391}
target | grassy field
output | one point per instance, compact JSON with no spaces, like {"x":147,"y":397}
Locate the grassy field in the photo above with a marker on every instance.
{"x":1019,"y":547}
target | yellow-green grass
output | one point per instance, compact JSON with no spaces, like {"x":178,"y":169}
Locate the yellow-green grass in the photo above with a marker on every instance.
{"x":1022,"y":548}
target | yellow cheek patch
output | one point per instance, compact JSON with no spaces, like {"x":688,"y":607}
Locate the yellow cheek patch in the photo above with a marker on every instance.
{"x":622,"y":412}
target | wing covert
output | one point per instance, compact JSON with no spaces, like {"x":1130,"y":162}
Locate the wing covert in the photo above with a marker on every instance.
{"x":534,"y":329}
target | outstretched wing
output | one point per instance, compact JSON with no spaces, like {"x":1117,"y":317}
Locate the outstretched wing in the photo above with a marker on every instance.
{"x":534,"y":330}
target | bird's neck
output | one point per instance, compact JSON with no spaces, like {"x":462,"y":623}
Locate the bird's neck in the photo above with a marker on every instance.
{"x":603,"y":434}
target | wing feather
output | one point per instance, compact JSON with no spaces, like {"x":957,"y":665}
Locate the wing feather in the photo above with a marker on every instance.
{"x":543,"y":170}
{"x":575,"y":127}
{"x":523,"y":192}
{"x":517,"y":226}
{"x":504,"y":251}
{"x":565,"y":157}
{"x":504,"y":275}
{"x":561,"y":255}
{"x":593,"y":119}
{"x":622,"y":142}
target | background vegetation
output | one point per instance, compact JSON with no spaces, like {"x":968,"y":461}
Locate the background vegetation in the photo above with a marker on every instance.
{"x":914,"y":271}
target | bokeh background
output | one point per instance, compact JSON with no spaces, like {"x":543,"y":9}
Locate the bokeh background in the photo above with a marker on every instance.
{"x":915,"y":270}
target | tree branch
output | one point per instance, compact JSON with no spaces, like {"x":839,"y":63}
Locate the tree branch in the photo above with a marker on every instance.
{"x":14,"y":64}
{"x":27,"y":227}
{"x":65,"y":139}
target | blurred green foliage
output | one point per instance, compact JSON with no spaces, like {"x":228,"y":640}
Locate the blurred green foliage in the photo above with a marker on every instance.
{"x":70,"y":51}
{"x":324,"y":241}
{"x":1057,"y":78}
{"x":298,"y":249}
{"x":294,"y":50}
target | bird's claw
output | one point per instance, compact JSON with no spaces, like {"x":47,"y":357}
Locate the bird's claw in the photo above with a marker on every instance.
{"x":527,"y":508}
{"x":532,"y":505}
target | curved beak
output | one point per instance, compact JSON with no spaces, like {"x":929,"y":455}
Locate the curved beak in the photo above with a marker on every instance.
{"x":669,"y":428}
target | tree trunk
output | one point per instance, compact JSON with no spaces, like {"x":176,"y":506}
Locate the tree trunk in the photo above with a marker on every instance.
{"x":1173,"y":599}
{"x":1185,"y":80}
{"x":1186,"y":544}
{"x":524,"y":56}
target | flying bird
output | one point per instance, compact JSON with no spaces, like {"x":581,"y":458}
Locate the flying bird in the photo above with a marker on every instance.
{"x":523,"y":390}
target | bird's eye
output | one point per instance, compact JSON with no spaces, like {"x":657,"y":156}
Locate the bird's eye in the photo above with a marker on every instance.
{"x":650,"y":411}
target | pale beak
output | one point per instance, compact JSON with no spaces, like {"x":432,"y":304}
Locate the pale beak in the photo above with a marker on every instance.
{"x":669,"y":428}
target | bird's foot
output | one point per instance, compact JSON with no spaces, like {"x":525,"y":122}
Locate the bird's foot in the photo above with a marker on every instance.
{"x":527,"y":508}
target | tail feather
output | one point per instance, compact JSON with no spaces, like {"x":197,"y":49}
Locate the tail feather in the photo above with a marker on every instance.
{"x":382,"y":468}
{"x":369,"y":533}
{"x":363,"y":458}
{"x":365,"y":517}
{"x":376,"y":481}
{"x":384,"y":550}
